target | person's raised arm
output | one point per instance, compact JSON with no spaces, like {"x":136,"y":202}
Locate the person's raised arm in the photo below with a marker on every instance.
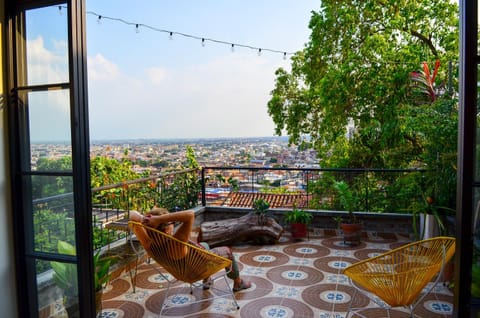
{"x":186,"y":218}
{"x":140,"y":231}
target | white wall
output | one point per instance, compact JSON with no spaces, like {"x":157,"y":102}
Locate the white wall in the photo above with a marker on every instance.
{"x":8,"y":301}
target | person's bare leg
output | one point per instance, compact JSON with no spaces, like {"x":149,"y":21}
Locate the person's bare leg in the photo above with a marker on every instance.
{"x":239,"y":284}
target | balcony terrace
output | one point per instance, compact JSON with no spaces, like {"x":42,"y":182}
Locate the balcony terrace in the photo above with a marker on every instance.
{"x":292,"y":278}
{"x":289,"y":279}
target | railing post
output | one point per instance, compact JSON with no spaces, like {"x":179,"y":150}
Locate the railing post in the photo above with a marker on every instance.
{"x":306,"y":186}
{"x":204,"y":200}
{"x":366,"y":190}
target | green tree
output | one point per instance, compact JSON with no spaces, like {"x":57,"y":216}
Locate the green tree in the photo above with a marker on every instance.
{"x":355,"y":72}
{"x":43,"y":186}
{"x":182,"y":193}
{"x":105,"y":171}
{"x":191,"y":159}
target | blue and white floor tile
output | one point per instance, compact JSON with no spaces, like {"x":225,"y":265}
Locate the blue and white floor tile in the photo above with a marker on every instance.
{"x":291,"y":279}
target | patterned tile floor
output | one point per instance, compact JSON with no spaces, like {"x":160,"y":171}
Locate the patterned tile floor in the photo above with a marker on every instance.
{"x":289,"y":279}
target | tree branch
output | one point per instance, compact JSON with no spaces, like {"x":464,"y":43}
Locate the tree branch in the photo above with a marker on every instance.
{"x":424,"y":39}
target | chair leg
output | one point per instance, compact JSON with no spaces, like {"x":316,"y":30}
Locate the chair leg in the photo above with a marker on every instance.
{"x":164,"y":303}
{"x":351,"y":302}
{"x":411,"y":307}
{"x":231,"y":292}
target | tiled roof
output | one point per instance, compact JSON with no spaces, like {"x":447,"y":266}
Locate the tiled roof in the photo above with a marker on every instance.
{"x":245,"y":199}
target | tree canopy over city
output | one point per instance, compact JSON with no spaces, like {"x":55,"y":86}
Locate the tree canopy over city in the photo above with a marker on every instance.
{"x":356,"y":71}
{"x":375,"y":87}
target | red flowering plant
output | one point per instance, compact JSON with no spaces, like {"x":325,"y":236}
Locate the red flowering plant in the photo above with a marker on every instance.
{"x":424,"y":81}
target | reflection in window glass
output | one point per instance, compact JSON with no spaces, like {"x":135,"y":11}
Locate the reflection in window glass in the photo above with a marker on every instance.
{"x":51,"y":157}
{"x":49,"y":114}
{"x":476,"y":248}
{"x":477,"y":150}
{"x":57,"y":297}
{"x":47,"y":46}
{"x":53,"y":212}
{"x":49,"y":130}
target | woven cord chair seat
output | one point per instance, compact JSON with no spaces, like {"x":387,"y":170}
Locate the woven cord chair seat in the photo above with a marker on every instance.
{"x":399,"y":276}
{"x":197,"y":263}
{"x":186,"y":262}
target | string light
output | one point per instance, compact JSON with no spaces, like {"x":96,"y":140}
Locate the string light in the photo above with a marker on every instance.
{"x":202,"y":39}
{"x":205,"y":39}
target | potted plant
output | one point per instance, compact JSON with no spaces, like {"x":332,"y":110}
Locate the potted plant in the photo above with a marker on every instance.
{"x":260,"y":208}
{"x":298,"y":220}
{"x":101,"y":275}
{"x":65,"y":276}
{"x":428,"y":218}
{"x":350,"y":226}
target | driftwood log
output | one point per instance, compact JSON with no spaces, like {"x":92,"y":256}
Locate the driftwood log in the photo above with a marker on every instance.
{"x":258,"y":229}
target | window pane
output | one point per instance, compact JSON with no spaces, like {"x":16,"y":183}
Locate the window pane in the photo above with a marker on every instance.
{"x":47,"y":46}
{"x":49,"y":129}
{"x":53,"y":214}
{"x":57,"y":297}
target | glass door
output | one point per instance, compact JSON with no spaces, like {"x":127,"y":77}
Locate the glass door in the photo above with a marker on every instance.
{"x":49,"y":141}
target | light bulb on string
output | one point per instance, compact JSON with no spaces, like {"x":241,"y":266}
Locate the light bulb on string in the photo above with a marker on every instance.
{"x":60,"y":10}
{"x":171,"y":33}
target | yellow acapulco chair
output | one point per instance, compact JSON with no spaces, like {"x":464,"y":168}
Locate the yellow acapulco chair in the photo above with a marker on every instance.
{"x":399,"y":276}
{"x":192,"y":268}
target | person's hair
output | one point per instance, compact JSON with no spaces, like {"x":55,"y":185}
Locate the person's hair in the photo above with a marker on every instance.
{"x":160,"y":211}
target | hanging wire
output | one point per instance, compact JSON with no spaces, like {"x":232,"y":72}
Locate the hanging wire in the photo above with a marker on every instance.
{"x":232,"y":45}
{"x":203,"y":39}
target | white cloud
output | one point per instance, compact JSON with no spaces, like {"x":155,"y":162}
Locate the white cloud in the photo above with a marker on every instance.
{"x":224,"y":97}
{"x":49,"y":111}
{"x":99,"y":68}
{"x":157,"y":75}
{"x":45,"y":66}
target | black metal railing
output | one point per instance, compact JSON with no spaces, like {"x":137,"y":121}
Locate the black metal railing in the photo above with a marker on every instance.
{"x":378,"y":190}
{"x":54,"y":217}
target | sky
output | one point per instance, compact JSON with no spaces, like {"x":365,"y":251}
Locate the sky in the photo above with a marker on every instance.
{"x":142,"y":83}
{"x":145,"y":85}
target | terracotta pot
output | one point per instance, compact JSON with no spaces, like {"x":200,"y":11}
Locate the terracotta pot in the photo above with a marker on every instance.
{"x":298,"y":230}
{"x":73,"y":310}
{"x":448,"y":273}
{"x":98,"y":301}
{"x":349,"y":228}
{"x":351,"y":232}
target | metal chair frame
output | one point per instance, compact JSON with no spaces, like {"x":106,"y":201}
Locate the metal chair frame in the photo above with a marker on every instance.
{"x":197,"y":265}
{"x":398,"y":278}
